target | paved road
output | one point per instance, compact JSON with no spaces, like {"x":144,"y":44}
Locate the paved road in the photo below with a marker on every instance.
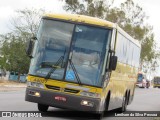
{"x":144,"y":100}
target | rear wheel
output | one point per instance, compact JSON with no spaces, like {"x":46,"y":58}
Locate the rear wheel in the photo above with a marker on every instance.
{"x":42,"y":108}
{"x":124,"y":104}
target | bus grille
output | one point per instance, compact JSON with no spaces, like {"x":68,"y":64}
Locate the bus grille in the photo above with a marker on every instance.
{"x":71,"y":90}
{"x":53,"y":87}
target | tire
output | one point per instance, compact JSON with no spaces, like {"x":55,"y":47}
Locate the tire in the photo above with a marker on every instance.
{"x":42,"y":108}
{"x":107,"y":103}
{"x":124,"y":105}
{"x":99,"y":116}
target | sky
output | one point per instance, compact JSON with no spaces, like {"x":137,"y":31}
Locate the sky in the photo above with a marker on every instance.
{"x":8,"y":8}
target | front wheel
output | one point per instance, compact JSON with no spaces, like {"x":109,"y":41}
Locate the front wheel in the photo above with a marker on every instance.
{"x":99,"y":116}
{"x":42,"y":108}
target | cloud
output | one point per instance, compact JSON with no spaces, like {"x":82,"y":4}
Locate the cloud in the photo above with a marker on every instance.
{"x":8,"y":8}
{"x":5,"y":15}
{"x":6,"y":12}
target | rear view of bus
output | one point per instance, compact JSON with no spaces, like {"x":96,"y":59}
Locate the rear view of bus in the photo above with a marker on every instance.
{"x":156,"y":82}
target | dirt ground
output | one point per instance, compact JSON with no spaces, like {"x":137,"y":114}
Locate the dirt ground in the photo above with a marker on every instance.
{"x":6,"y":86}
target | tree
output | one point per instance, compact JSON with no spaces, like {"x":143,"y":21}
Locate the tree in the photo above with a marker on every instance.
{"x":129,"y":16}
{"x":94,"y":8}
{"x":12,"y":51}
{"x":14,"y":57}
{"x":26,"y":23}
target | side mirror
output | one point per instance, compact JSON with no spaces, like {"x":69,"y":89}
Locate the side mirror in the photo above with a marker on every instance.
{"x":113,"y":62}
{"x":29,"y":47}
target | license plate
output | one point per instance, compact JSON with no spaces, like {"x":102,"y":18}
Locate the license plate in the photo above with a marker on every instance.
{"x":60,"y":98}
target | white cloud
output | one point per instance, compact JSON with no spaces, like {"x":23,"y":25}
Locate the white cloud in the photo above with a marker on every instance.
{"x":8,"y":8}
{"x":5,"y":12}
{"x":5,"y":15}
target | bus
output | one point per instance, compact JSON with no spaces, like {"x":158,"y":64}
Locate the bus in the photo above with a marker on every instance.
{"x":156,"y":82}
{"x":141,"y":80}
{"x":81,"y":63}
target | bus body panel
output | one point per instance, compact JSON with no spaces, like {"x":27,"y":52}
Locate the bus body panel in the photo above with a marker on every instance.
{"x":156,"y":82}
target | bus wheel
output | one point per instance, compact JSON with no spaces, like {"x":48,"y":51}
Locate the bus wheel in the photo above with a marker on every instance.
{"x":42,"y":108}
{"x":99,"y":116}
{"x":124,"y":104}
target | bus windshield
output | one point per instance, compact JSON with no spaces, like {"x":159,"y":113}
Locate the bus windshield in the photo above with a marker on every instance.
{"x":58,"y":42}
{"x":157,"y":79}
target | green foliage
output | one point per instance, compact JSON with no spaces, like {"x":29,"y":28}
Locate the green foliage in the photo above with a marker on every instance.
{"x":14,"y":57}
{"x":115,"y":15}
{"x":12,"y":51}
{"x":148,"y":52}
{"x":95,"y":8}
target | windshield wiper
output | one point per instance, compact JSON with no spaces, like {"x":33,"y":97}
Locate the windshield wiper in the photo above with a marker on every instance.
{"x":54,"y":67}
{"x":75,"y":71}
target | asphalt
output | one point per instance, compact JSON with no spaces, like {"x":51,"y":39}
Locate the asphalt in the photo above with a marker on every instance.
{"x":144,"y":100}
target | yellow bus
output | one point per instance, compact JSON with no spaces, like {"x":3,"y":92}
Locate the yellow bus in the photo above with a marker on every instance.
{"x":156,"y":82}
{"x":81,"y":63}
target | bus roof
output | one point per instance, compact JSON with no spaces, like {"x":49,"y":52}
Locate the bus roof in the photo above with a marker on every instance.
{"x":81,"y":19}
{"x":92,"y":21}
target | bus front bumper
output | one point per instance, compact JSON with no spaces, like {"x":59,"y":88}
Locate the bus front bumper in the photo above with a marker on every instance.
{"x":62,"y":100}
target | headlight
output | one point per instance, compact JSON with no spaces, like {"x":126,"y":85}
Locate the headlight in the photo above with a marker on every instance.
{"x":87,"y":103}
{"x":90,"y":94}
{"x":35,"y":84}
